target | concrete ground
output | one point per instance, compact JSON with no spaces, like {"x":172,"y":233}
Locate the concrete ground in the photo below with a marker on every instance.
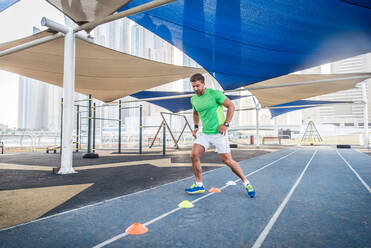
{"x":29,"y":190}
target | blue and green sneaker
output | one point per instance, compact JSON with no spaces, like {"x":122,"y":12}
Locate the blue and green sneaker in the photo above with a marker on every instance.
{"x":194,"y":189}
{"x":250,"y":190}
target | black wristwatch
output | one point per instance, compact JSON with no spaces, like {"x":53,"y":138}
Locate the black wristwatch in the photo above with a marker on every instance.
{"x":196,"y":126}
{"x":226,"y":124}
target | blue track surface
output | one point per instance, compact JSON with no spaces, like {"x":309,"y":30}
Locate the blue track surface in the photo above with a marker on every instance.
{"x":329,"y":208}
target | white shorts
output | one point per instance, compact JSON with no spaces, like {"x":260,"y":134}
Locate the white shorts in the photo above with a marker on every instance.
{"x":220,"y":142}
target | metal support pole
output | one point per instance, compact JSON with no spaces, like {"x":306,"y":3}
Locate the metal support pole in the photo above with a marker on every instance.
{"x":158,"y":131}
{"x":164,"y":139}
{"x":365,"y":112}
{"x":30,"y":44}
{"x":63,"y":29}
{"x":311,"y":133}
{"x":101,"y":124}
{"x":140,"y":128}
{"x":94,"y":109}
{"x":80,"y":136}
{"x":168,"y":127}
{"x":60,"y":142}
{"x":77,"y":127}
{"x":119,"y":145}
{"x":180,"y":135}
{"x":275,"y":126}
{"x":89,"y":126}
{"x":68,"y":91}
{"x":257,"y":108}
{"x":257,"y":127}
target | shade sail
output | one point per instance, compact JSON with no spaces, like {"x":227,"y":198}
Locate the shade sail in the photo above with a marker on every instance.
{"x":298,"y":105}
{"x":242,"y":42}
{"x":4,"y":4}
{"x":82,"y":11}
{"x":329,"y":83}
{"x":102,"y":72}
{"x":174,"y":105}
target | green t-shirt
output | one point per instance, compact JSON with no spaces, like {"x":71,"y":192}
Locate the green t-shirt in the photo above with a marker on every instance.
{"x":209,"y":107}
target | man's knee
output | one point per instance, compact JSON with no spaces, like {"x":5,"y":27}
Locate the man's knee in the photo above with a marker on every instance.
{"x":227,"y":160}
{"x":195,"y":156}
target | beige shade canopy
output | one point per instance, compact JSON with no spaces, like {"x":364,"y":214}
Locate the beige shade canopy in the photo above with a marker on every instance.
{"x":106,"y":74}
{"x":82,"y":11}
{"x":109,"y":75}
{"x":330,"y":83}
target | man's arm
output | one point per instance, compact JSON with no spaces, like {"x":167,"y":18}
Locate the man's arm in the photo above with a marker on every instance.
{"x":196,"y":117}
{"x":196,"y":121}
{"x":230,"y":111}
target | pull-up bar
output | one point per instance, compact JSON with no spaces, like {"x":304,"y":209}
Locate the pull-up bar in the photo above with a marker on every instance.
{"x":119,"y":120}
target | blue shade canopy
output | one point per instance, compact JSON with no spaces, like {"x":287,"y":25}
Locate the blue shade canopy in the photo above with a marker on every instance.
{"x":242,"y":42}
{"x":4,"y":4}
{"x":173,"y":105}
{"x":297,"y":105}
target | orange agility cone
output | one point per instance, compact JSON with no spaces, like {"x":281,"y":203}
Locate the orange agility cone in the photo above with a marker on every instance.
{"x":214,"y":190}
{"x":136,"y":229}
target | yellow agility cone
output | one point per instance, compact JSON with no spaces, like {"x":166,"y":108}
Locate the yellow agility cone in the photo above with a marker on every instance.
{"x":186,"y":204}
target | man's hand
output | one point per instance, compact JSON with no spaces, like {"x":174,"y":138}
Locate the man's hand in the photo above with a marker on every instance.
{"x":194,"y":133}
{"x":222,"y":129}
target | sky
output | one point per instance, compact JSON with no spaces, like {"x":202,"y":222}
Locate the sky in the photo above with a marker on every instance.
{"x":17,"y":22}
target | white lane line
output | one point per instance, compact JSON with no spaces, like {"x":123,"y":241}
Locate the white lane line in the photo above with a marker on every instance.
{"x":275,"y":216}
{"x":265,"y":166}
{"x":109,"y":241}
{"x":355,"y":172}
{"x":122,"y":235}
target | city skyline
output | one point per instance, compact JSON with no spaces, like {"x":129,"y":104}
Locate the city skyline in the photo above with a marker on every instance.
{"x":18,"y":22}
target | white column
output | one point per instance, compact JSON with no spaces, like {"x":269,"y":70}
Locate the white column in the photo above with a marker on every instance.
{"x":257,"y":127}
{"x":257,"y":108}
{"x":68,"y":92}
{"x":365,"y":112}
{"x":275,"y":126}
{"x":101,"y":128}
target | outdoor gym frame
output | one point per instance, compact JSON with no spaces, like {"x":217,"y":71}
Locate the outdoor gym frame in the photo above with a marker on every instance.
{"x":91,"y":148}
{"x":165,"y":125}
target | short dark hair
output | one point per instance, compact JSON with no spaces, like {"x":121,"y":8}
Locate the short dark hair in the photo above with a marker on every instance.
{"x":197,"y":77}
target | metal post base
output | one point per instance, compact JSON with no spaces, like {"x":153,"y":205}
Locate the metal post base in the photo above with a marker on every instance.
{"x":64,"y":171}
{"x":91,"y":155}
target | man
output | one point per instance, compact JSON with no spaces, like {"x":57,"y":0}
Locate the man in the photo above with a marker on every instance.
{"x":208,"y":105}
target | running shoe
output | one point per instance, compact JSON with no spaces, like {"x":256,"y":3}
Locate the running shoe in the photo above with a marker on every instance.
{"x":250,"y":190}
{"x":194,"y":189}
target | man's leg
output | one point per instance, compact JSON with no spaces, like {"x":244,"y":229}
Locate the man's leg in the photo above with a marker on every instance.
{"x":197,"y":151}
{"x":197,"y":187}
{"x":236,"y":168}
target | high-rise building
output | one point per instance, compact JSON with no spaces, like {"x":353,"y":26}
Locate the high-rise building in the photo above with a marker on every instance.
{"x":348,"y":115}
{"x":38,"y":107}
